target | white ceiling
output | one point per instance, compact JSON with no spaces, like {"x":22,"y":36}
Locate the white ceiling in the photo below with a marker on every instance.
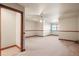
{"x":51,"y":11}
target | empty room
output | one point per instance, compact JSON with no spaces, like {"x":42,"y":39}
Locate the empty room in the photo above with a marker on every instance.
{"x":39,"y":29}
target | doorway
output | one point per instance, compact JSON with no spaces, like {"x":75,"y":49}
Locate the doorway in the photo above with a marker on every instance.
{"x":11,"y":28}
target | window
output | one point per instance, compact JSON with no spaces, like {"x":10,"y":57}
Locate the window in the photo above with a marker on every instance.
{"x":53,"y":27}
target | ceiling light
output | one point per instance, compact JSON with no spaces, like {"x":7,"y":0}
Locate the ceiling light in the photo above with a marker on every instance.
{"x":41,"y":21}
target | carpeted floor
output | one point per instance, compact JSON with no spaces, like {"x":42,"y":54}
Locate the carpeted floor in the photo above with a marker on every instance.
{"x":49,"y":46}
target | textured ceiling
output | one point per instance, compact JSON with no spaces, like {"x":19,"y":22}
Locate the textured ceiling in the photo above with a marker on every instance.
{"x":50,"y":11}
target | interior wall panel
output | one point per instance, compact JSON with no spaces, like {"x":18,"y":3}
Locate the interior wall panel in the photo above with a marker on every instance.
{"x":8,"y":27}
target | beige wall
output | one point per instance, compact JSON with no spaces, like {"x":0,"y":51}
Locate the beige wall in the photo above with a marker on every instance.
{"x":78,"y":27}
{"x":29,"y":27}
{"x":68,"y":24}
{"x":42,"y":28}
{"x":39,"y":27}
{"x":46,"y":28}
{"x":32,"y":22}
{"x":16,"y":6}
{"x":8,"y":28}
{"x":18,"y":29}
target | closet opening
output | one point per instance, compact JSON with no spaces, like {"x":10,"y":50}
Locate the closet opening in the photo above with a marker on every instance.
{"x":11,"y":29}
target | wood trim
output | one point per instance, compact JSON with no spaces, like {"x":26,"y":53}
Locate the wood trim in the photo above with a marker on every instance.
{"x":52,"y":35}
{"x":32,"y":36}
{"x":67,"y":31}
{"x":37,"y":30}
{"x":22,"y":33}
{"x":34,"y":30}
{"x":0,"y":31}
{"x":4,"y":6}
{"x":40,"y":36}
{"x":68,"y":40}
{"x":8,"y":47}
{"x":18,"y":47}
{"x":13,"y":9}
{"x":58,"y":30}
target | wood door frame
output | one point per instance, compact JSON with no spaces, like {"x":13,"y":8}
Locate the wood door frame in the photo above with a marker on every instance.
{"x":0,"y":31}
{"x":22,"y":28}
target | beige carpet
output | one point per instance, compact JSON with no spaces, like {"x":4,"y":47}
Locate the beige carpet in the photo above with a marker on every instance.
{"x":10,"y":52}
{"x":49,"y":46}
